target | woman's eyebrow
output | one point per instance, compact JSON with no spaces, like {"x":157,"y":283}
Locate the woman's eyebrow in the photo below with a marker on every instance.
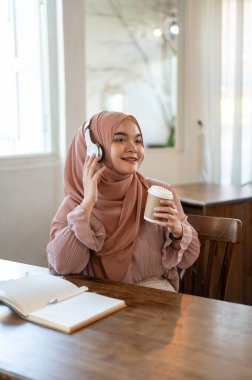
{"x":126,"y":134}
{"x":120,"y":133}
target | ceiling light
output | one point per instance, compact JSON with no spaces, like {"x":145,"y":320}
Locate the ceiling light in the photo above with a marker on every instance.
{"x":174,"y":28}
{"x":157,"y":32}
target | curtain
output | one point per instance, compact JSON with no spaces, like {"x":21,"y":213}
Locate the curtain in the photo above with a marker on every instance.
{"x":236,"y":92}
{"x":209,"y":39}
{"x":203,"y":88}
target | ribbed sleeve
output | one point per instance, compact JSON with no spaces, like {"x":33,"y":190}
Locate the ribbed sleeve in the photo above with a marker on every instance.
{"x":91,"y":234}
{"x":72,"y":238}
{"x":172,"y":256}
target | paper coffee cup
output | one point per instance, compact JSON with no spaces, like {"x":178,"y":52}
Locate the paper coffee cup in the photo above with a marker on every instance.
{"x":155,"y":194}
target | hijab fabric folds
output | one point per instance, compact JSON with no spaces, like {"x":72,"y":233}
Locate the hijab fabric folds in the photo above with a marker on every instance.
{"x":121,"y":198}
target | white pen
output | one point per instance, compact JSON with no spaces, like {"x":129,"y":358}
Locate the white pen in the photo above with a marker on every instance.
{"x":78,"y":291}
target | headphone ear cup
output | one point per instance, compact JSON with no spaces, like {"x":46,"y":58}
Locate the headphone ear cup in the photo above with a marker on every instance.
{"x":100,"y":152}
{"x":92,"y":148}
{"x":95,"y":149}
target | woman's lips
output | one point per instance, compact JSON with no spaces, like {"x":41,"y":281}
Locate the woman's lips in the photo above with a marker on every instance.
{"x":133,"y":161}
{"x":130,"y":159}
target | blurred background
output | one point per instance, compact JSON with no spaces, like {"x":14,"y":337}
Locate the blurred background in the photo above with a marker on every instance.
{"x":181,"y":67}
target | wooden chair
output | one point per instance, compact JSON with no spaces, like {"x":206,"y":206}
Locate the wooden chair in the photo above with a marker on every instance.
{"x":208,"y":276}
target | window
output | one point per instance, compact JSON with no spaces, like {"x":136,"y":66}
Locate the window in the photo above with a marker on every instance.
{"x":24,"y":78}
{"x":236,"y":114}
{"x":132,"y":60}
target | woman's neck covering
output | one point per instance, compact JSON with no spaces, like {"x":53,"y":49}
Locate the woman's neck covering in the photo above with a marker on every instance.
{"x":121,"y":198}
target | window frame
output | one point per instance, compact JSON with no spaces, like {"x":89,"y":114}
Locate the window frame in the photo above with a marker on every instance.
{"x":52,"y":157}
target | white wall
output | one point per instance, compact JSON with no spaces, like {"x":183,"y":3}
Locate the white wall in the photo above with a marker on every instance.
{"x":30,"y":191}
{"x":28,"y":196}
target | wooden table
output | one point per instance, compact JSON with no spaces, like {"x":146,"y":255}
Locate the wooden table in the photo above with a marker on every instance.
{"x":159,"y":335}
{"x":229,"y":202}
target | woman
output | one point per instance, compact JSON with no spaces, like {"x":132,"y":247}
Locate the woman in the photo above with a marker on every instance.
{"x":99,"y":228}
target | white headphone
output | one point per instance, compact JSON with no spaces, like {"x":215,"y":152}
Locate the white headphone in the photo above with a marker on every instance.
{"x":92,"y":147}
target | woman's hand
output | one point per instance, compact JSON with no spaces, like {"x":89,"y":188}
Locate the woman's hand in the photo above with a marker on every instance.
{"x":90,"y":181}
{"x":168,"y":214}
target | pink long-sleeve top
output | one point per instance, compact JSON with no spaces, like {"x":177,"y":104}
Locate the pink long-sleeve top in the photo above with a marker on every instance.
{"x":73,"y":237}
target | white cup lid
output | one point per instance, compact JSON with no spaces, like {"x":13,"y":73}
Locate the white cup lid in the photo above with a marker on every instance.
{"x":161,"y":192}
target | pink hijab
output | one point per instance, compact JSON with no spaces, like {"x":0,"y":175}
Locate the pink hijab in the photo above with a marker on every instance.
{"x":121,"y":198}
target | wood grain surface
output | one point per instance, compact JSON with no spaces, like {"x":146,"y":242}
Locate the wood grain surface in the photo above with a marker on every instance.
{"x":159,"y":335}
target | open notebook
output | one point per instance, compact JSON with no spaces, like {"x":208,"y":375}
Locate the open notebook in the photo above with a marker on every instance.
{"x":54,"y":302}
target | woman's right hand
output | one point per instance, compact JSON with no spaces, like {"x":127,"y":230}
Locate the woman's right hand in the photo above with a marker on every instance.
{"x":90,"y":180}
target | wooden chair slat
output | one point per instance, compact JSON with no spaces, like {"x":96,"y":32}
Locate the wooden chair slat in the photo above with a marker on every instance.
{"x":208,"y":277}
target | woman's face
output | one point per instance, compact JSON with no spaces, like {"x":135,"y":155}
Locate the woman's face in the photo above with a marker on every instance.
{"x":127,"y":151}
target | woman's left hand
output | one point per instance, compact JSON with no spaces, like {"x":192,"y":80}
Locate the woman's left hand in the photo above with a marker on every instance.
{"x":168,"y":214}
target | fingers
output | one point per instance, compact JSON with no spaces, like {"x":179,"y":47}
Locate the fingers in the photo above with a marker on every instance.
{"x":90,"y":164}
{"x":90,"y":160}
{"x":91,"y":176}
{"x":166,"y":210}
{"x":90,"y":179}
{"x":166,"y":213}
{"x":96,"y":176}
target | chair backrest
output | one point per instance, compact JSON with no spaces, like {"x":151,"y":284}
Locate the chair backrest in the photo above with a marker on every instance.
{"x":208,"y":276}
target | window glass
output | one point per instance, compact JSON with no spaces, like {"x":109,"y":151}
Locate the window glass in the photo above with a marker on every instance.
{"x":132,"y":60}
{"x":24,"y":90}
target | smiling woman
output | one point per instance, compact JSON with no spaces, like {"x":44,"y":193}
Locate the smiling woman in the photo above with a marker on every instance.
{"x":127,"y":150}
{"x":99,"y":229}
